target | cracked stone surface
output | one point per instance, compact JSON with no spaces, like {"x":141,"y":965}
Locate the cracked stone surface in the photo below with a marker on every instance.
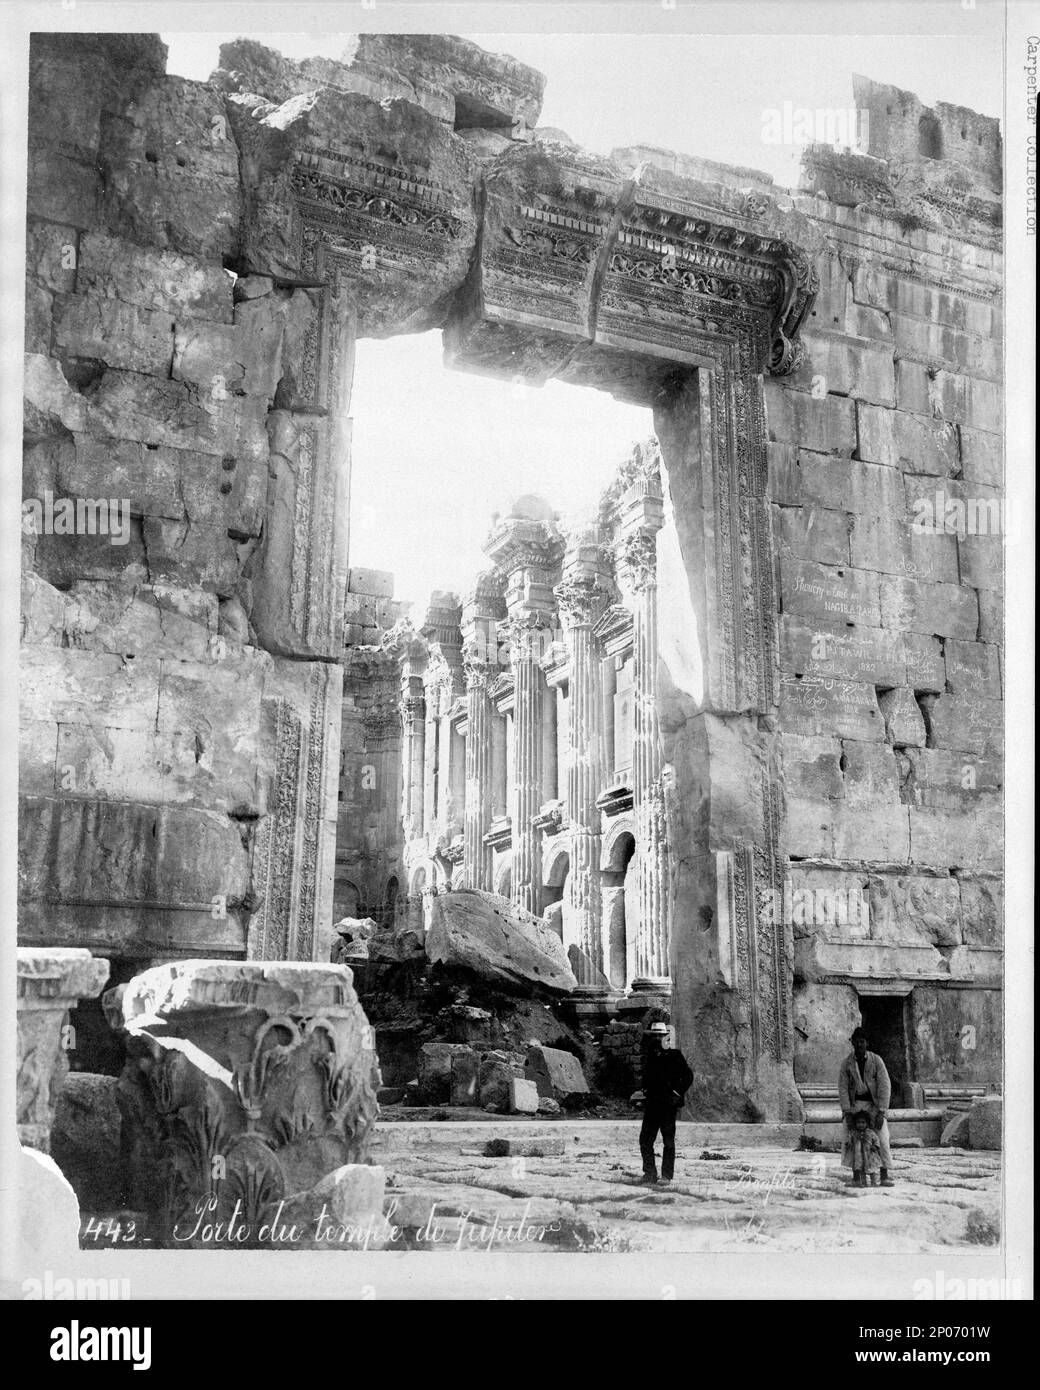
{"x":761,"y":1198}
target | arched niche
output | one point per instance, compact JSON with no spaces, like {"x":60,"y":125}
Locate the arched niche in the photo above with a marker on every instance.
{"x":620,"y":893}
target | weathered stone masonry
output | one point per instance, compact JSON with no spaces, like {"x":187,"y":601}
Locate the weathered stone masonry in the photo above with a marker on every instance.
{"x":203,"y":257}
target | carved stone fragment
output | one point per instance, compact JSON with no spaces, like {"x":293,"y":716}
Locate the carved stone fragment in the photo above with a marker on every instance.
{"x":51,"y":981}
{"x":246,"y":1084}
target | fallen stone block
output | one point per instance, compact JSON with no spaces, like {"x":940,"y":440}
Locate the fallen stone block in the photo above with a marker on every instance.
{"x":85,"y":1140}
{"x":344,"y":1211}
{"x":552,"y":1146}
{"x":51,"y":982}
{"x":435,"y":1072}
{"x":556,"y":1073}
{"x":468,"y":1024}
{"x":523,"y":1096}
{"x":465,"y":1070}
{"x":986,"y":1123}
{"x":494,"y":1080}
{"x":354,"y":935}
{"x":277,"y":1057}
{"x":483,"y":933}
{"x":955,"y":1134}
{"x":548,"y":1106}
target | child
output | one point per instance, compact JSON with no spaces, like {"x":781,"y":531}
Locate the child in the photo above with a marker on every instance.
{"x":866,"y":1152}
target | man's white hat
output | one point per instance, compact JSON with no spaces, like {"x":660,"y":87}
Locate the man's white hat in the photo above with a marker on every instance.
{"x":658,"y":1030}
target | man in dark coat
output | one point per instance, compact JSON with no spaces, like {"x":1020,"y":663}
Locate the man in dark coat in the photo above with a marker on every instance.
{"x":666,"y":1079}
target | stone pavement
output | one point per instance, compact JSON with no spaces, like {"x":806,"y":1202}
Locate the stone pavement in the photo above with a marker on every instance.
{"x":445,"y":1195}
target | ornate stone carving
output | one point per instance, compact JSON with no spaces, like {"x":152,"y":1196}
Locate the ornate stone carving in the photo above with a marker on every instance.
{"x":580,"y":599}
{"x":636,"y":556}
{"x":678,"y":265}
{"x":549,"y":818}
{"x":381,"y":722}
{"x":51,"y":981}
{"x":294,"y":845}
{"x":529,"y":633}
{"x":407,"y":202}
{"x":754,"y":205}
{"x":479,"y":671}
{"x":246,"y":1084}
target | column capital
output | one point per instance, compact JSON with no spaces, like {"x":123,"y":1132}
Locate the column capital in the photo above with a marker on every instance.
{"x":530,"y":632}
{"x":581,"y":600}
{"x":479,"y":671}
{"x":635,"y":555}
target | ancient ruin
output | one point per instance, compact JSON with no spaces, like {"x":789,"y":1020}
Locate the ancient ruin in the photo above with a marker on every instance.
{"x":735,"y":746}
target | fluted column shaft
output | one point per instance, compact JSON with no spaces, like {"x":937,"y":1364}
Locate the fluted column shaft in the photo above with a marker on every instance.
{"x":526,"y":549}
{"x":477,"y":856}
{"x":580,"y":602}
{"x":413,"y":714}
{"x":637,"y":554}
{"x":651,"y":942}
{"x":529,"y":694}
{"x":430,"y":758}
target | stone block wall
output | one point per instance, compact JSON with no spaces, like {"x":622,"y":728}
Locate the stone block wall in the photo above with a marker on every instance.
{"x":175,"y":746}
{"x":201,"y":259}
{"x":885,"y":478}
{"x":623,"y":1041}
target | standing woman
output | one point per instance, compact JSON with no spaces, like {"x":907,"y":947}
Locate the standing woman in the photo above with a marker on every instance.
{"x":864,"y":1087}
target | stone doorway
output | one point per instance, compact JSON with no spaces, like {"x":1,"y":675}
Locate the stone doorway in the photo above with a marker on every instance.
{"x":885,"y":1021}
{"x":543,"y":264}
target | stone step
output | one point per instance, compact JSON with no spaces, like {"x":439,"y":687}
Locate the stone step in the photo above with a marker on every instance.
{"x":454,"y":1134}
{"x":906,"y":1128}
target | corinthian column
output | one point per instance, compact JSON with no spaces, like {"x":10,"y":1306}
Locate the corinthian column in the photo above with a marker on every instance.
{"x":581,"y":599}
{"x":413,"y":718}
{"x":529,"y":631}
{"x":526,"y":549}
{"x":636,"y":556}
{"x":481,"y":611}
{"x":476,"y":862}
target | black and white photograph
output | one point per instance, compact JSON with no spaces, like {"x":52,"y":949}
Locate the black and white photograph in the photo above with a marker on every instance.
{"x":520,"y":544}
